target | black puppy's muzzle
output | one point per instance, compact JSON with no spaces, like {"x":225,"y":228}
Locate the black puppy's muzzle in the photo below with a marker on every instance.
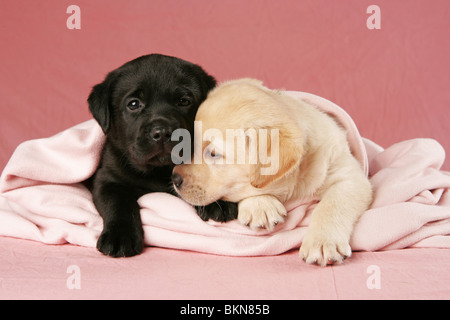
{"x":158,"y":132}
{"x":161,"y":134}
{"x":153,"y":144}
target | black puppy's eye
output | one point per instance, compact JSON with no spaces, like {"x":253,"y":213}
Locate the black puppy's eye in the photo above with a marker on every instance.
{"x":134,"y":104}
{"x":184,"y":102}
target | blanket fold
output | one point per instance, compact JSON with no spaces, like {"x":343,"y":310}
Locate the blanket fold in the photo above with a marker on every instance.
{"x":43,"y":198}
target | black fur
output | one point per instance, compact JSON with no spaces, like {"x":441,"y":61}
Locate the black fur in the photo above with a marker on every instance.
{"x":138,"y":106}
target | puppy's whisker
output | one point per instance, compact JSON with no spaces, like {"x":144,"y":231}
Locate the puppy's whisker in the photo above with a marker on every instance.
{"x":200,"y":209}
{"x":218,"y":203}
{"x":172,"y":190}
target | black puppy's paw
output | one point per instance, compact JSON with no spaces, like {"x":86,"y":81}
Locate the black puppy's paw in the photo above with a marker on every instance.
{"x":120,"y":242}
{"x":220,"y":210}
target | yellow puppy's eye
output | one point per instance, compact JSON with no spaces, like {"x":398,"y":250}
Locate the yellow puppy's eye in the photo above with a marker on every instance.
{"x":213,"y":154}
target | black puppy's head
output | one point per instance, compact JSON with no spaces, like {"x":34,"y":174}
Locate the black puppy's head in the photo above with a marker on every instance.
{"x":141,"y":103}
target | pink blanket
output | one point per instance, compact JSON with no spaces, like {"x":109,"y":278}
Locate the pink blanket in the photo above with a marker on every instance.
{"x":42,"y":198}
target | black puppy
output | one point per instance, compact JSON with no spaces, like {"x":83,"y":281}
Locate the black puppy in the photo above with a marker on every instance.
{"x":138,"y":106}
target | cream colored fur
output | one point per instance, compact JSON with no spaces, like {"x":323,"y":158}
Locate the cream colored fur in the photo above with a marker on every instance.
{"x":314,"y":162}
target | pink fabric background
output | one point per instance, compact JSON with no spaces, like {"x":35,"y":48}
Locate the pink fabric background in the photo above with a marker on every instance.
{"x":394,"y":82}
{"x":36,"y":271}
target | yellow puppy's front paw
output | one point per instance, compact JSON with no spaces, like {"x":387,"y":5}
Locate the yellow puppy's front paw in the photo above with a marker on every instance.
{"x":318,"y":248}
{"x":261,"y":212}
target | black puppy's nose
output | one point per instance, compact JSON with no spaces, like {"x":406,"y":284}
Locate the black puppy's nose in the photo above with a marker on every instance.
{"x":161,"y":134}
{"x":177,"y":180}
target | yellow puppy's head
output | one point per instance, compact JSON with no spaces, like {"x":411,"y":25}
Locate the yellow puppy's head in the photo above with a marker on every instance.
{"x":245,"y":142}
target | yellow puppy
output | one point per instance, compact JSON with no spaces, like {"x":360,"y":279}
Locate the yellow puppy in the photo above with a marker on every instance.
{"x":261,"y":148}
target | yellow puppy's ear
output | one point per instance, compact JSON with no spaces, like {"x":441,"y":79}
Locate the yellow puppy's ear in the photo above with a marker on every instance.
{"x":253,"y":81}
{"x":283,"y":156}
{"x":243,"y":81}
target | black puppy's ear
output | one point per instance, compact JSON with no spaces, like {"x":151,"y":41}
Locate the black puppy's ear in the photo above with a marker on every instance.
{"x":208,"y":83}
{"x":100,"y":101}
